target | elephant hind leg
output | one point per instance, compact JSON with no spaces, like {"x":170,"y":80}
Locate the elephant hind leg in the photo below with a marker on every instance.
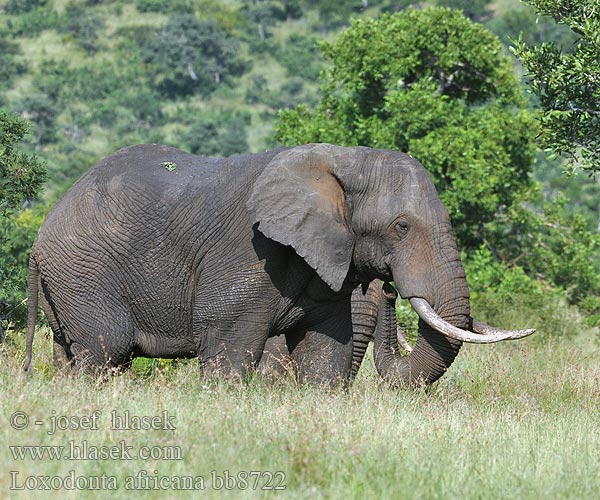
{"x":99,"y":343}
{"x":62,"y":356}
{"x":276,"y":361}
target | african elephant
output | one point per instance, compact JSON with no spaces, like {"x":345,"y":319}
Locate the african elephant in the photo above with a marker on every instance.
{"x":159,"y":253}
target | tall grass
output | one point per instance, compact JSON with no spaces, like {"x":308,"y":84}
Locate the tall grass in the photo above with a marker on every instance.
{"x":513,"y":420}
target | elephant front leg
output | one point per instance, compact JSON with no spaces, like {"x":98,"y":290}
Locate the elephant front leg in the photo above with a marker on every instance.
{"x":230,"y":352}
{"x":276,"y":361}
{"x":322,"y":354}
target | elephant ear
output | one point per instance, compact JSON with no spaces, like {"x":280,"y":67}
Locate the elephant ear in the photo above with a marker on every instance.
{"x":297,"y":201}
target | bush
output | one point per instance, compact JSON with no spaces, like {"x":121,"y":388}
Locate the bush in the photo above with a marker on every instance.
{"x":189,"y":55}
{"x":218,"y":134}
{"x":14,"y":7}
{"x":505,"y":295}
{"x":552,"y":244}
{"x":300,"y":56}
{"x":83,"y":25}
{"x":22,"y":175}
{"x":32,"y":23}
{"x":18,"y":234}
{"x":10,"y":65}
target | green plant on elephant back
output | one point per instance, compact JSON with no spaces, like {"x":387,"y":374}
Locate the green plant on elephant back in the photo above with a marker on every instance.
{"x":431,"y":83}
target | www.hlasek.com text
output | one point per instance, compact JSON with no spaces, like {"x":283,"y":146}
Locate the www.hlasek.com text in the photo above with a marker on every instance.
{"x":83,"y":450}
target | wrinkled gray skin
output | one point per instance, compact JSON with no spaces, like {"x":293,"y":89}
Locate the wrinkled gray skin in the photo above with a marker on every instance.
{"x":211,"y":259}
{"x":365,"y":310}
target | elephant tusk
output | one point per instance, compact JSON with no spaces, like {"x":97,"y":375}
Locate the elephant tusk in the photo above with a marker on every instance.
{"x":429,"y":316}
{"x":484,"y":329}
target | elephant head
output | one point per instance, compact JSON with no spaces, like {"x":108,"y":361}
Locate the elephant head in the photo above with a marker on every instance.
{"x":357,"y":214}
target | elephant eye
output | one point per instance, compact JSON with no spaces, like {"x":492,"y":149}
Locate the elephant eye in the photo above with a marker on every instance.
{"x":402,"y":226}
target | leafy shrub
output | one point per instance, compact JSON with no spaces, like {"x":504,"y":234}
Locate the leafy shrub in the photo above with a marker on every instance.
{"x":13,"y":7}
{"x":553,"y":245}
{"x":221,"y":134}
{"x":10,"y":64}
{"x":42,"y":112}
{"x":17,"y":234}
{"x":475,"y":10}
{"x":300,"y":56}
{"x":21,"y":174}
{"x":524,"y":23}
{"x":257,"y":91}
{"x":505,"y":295}
{"x":260,"y":16}
{"x":83,"y":25}
{"x":21,"y":177}
{"x":32,"y":23}
{"x":189,"y":55}
{"x":164,"y":6}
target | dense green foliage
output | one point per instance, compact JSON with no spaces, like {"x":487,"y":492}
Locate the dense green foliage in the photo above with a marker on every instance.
{"x":567,"y":84}
{"x":188,"y":55}
{"x":21,"y":177}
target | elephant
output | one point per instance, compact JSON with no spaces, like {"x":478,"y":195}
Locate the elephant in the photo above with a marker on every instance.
{"x":155,"y":252}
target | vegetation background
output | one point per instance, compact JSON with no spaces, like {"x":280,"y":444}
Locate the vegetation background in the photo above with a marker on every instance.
{"x":221,"y":78}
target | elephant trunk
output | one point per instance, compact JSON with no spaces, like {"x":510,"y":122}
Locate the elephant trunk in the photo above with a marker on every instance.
{"x":433,"y":352}
{"x":439,"y":340}
{"x":364,"y":320}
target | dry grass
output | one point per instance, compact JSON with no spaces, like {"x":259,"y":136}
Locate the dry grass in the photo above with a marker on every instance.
{"x":516,"y":420}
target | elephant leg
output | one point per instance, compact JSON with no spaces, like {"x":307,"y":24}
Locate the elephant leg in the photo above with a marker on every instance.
{"x":323,"y":354}
{"x":276,"y":361}
{"x":104,"y":344}
{"x":230,"y":351}
{"x":62,"y":357}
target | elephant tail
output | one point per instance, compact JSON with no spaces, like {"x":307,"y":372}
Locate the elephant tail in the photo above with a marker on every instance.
{"x":32,"y":307}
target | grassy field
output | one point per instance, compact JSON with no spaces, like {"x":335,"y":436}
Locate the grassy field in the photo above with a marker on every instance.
{"x":514,"y":420}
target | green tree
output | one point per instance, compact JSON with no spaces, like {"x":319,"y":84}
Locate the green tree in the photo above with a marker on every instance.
{"x":260,"y":15}
{"x":218,"y":134}
{"x":21,"y":177}
{"x":42,"y":112}
{"x":475,"y":10}
{"x":83,"y":25}
{"x":567,"y":84}
{"x":433,"y":84}
{"x":22,"y":6}
{"x":300,"y":57}
{"x":335,"y":13}
{"x":522,"y":21}
{"x":189,"y":55}
{"x":10,"y":65}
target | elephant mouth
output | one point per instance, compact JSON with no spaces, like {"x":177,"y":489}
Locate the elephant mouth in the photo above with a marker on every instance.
{"x":478,"y":333}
